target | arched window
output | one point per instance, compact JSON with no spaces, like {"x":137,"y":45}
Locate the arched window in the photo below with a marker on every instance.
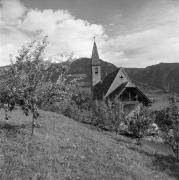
{"x":96,"y":70}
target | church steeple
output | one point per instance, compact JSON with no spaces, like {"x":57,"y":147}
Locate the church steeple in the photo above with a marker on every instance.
{"x":95,"y":55}
{"x":95,"y":65}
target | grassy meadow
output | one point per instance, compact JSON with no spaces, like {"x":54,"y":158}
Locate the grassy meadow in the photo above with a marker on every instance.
{"x":65,"y":149}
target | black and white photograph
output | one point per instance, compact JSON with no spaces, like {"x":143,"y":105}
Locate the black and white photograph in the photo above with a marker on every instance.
{"x":89,"y":89}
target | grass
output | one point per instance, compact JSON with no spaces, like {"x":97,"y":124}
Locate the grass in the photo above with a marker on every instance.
{"x":161,"y":100}
{"x":65,"y":149}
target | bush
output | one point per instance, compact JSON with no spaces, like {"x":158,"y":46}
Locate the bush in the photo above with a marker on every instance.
{"x":109,"y":115}
{"x":139,"y":123}
{"x":171,"y":133}
{"x":162,"y":119}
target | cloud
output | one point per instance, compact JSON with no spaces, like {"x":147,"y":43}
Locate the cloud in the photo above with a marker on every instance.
{"x":11,"y":38}
{"x":65,"y":32}
{"x":150,"y":37}
{"x":127,"y":50}
{"x":143,"y":48}
{"x":12,"y":10}
{"x":154,"y":39}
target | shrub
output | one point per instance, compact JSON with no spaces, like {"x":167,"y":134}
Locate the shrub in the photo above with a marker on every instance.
{"x":162,"y":119}
{"x":139,"y":123}
{"x":171,"y":133}
{"x":109,"y":115}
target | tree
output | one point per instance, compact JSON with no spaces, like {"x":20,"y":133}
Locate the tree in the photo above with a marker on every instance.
{"x":162,"y":119}
{"x":27,"y":84}
{"x":171,"y":133}
{"x":109,"y":115}
{"x":23,"y":79}
{"x":139,"y":123}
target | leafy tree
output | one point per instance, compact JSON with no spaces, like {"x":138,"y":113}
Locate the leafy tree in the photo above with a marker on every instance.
{"x":162,"y":119}
{"x":109,"y":115}
{"x":27,"y":84}
{"x":50,"y":92}
{"x":81,"y":101}
{"x":171,"y":133}
{"x":139,"y":123}
{"x":23,"y":79}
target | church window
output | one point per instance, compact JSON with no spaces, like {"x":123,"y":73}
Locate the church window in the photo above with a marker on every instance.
{"x":96,"y":70}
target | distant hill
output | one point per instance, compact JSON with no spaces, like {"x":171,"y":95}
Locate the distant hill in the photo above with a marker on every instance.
{"x":82,"y":66}
{"x":164,"y":76}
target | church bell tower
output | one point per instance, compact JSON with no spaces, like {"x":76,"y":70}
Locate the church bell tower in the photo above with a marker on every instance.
{"x":95,"y":66}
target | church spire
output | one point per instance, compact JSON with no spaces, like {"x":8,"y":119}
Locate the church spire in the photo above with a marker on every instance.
{"x":95,"y":55}
{"x":95,"y":66}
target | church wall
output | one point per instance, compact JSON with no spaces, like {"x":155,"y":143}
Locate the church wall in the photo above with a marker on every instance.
{"x":96,"y":74}
{"x":132,"y":94}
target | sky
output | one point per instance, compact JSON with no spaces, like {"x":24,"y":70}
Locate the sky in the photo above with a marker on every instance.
{"x":129,"y":33}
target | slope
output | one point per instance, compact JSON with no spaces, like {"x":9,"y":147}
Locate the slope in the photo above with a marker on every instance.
{"x":65,"y":149}
{"x":82,"y":66}
{"x":162,"y":76}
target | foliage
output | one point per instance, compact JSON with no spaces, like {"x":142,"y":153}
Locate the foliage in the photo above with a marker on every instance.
{"x":81,"y":101}
{"x":28,"y":82}
{"x":171,"y":133}
{"x":109,"y":115}
{"x":139,"y":123}
{"x":162,"y":118}
{"x":23,"y":78}
{"x":64,"y":149}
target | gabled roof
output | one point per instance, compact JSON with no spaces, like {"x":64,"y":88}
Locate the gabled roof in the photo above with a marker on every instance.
{"x":118,"y":90}
{"x":124,"y":86}
{"x":143,"y":94}
{"x":101,"y":89}
{"x":95,"y":56}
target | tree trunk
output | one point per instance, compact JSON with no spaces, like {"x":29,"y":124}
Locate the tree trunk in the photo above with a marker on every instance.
{"x":33,"y":120}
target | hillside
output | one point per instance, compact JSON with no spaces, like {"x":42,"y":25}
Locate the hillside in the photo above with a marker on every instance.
{"x":65,"y":149}
{"x":162,"y":76}
{"x":82,"y":66}
{"x":155,"y":81}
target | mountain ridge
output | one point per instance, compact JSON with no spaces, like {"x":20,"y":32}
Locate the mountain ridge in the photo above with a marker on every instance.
{"x":162,"y":76}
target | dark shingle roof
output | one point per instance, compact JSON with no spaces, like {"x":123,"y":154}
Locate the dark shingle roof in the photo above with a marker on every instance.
{"x":95,"y":56}
{"x":118,"y":90}
{"x":100,"y":89}
{"x":142,"y":94}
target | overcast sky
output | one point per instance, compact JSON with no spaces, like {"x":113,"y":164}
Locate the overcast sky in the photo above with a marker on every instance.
{"x":129,"y":33}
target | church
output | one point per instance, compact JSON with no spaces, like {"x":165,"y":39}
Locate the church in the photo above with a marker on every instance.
{"x":115,"y":85}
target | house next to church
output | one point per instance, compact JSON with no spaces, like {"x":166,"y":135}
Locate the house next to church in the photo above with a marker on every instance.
{"x":115,"y":85}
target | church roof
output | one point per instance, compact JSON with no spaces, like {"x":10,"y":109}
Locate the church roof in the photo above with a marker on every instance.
{"x":95,"y":56}
{"x":100,"y":90}
{"x":118,"y":90}
{"x":127,"y":85}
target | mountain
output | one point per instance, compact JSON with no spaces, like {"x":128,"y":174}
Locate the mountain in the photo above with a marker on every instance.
{"x":82,"y":67}
{"x":162,"y":76}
